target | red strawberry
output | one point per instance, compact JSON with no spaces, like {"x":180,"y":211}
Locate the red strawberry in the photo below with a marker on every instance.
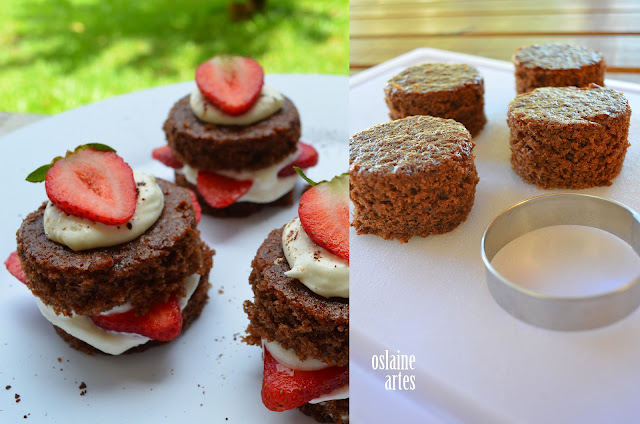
{"x":324,"y":214}
{"x":93,"y":184}
{"x":307,"y":158}
{"x":220,"y":191}
{"x":232,"y":83}
{"x":284,"y":388}
{"x":196,"y":205}
{"x":15,"y":268}
{"x":163,"y":321}
{"x":165,"y":155}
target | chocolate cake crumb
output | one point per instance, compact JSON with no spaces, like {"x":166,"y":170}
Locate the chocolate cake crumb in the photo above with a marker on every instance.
{"x":129,"y":226}
{"x":7,"y":387}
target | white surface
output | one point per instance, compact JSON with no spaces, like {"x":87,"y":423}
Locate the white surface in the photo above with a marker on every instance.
{"x":207,"y":374}
{"x":429,"y":297}
{"x":568,"y":261}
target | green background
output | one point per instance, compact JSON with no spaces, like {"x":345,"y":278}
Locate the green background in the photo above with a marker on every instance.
{"x":60,"y":54}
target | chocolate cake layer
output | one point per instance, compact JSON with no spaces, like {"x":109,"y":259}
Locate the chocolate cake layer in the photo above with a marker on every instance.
{"x":286,"y":311}
{"x":568,"y":137}
{"x":143,"y":271}
{"x":454,"y":91}
{"x":557,"y":65}
{"x":236,"y":210}
{"x":189,"y":314}
{"x":411,"y":177}
{"x":211,"y":147}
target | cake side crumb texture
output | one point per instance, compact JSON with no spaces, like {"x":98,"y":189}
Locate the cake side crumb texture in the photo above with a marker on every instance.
{"x":411,"y":177}
{"x":568,"y":137}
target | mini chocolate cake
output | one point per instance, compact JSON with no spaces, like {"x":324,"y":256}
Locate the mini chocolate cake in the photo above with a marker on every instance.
{"x":438,"y":89}
{"x":568,"y":137}
{"x":411,"y":177}
{"x":142,"y":272}
{"x":286,"y":311}
{"x":557,"y":65}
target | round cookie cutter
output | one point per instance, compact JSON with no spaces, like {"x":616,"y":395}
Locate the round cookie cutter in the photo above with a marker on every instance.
{"x":562,"y":312}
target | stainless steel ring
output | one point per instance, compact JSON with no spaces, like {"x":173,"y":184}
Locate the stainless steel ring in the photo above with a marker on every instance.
{"x":557,"y":312}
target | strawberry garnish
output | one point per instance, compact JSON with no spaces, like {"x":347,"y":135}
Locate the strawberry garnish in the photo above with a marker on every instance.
{"x":324,"y":214}
{"x":284,"y":388}
{"x":165,"y":155}
{"x":91,"y":182}
{"x":231,"y":83}
{"x":196,"y":205}
{"x":15,"y":268}
{"x":220,"y":191}
{"x":307,"y":158}
{"x":163,"y":321}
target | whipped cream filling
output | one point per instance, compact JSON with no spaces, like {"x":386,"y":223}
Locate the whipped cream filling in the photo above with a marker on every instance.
{"x":82,"y":234}
{"x":320,"y":270}
{"x":269,"y":102}
{"x":266,"y":187}
{"x":289,"y":359}
{"x":111,"y":342}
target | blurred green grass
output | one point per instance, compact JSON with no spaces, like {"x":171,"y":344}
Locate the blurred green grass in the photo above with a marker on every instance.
{"x":60,"y":54}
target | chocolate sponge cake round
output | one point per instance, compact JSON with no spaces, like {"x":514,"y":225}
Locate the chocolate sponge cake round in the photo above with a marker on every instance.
{"x":411,"y":177}
{"x":142,"y":272}
{"x":557,"y":65}
{"x":568,"y":137}
{"x":286,"y":311}
{"x":454,"y":91}
{"x":209,"y":146}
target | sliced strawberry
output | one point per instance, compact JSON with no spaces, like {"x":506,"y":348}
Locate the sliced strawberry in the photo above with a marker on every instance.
{"x":196,"y":205}
{"x":324,"y":214}
{"x":14,"y":267}
{"x":307,"y":158}
{"x":93,"y":184}
{"x":232,"y":83}
{"x":284,"y":388}
{"x":165,"y":155}
{"x":163,"y":321}
{"x":220,"y":191}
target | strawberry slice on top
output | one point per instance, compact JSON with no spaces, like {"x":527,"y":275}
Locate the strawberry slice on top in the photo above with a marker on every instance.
{"x":284,"y":388}
{"x":324,"y":214}
{"x":232,"y":83}
{"x":162,"y":322}
{"x":307,"y":158}
{"x":92,"y":182}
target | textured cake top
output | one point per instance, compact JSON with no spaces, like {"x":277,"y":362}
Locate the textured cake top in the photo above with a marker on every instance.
{"x":414,"y":144}
{"x":434,"y":77}
{"x":556,"y":56}
{"x":568,"y":104}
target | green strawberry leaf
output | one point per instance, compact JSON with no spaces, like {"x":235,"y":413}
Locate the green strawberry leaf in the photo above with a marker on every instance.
{"x":40,"y":174}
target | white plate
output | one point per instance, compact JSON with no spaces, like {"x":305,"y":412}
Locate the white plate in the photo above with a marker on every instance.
{"x":206,"y":375}
{"x":429,"y":298}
